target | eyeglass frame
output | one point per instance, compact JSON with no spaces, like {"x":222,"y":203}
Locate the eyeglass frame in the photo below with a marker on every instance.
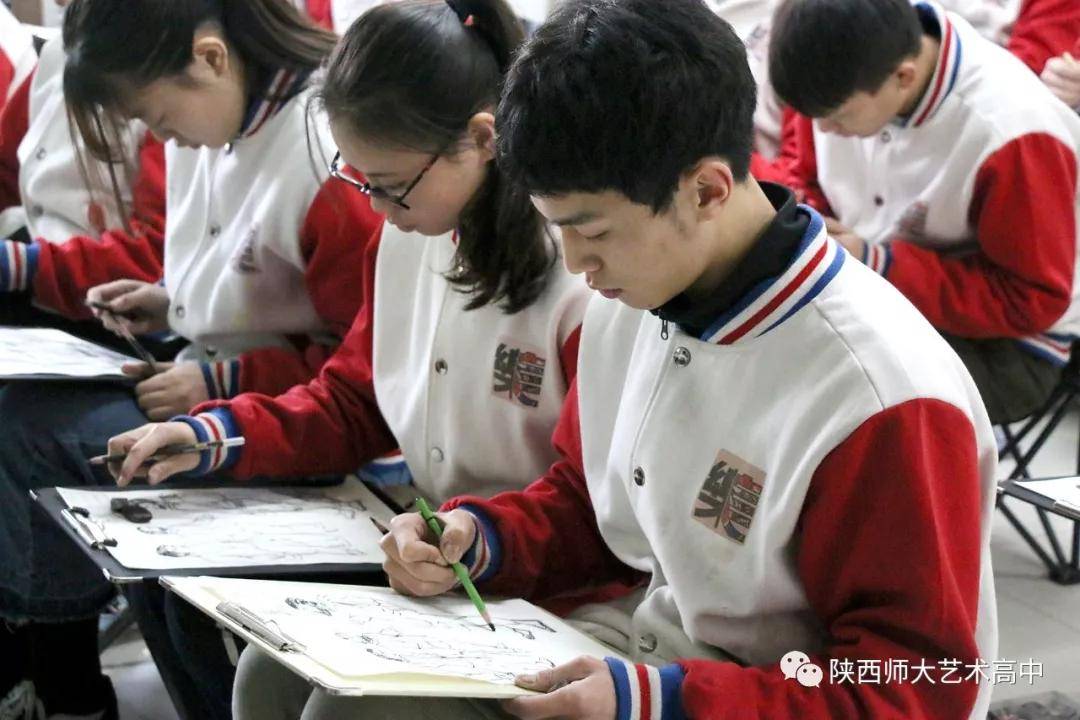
{"x":377,"y":193}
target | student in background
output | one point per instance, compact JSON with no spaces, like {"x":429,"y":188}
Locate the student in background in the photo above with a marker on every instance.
{"x":467,"y":341}
{"x":1033,"y":30}
{"x":260,"y":273}
{"x":51,"y":191}
{"x":758,"y":420}
{"x":938,"y":178}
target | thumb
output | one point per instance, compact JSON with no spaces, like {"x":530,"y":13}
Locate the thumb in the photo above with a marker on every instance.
{"x":135,"y":369}
{"x":459,"y":531}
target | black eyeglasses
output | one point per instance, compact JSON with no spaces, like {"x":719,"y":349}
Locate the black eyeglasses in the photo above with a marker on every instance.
{"x":377,"y":193}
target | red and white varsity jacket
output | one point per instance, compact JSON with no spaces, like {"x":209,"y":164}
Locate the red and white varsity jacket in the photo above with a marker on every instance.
{"x":470,"y":396}
{"x":17,"y":57}
{"x":970,"y":205}
{"x":815,"y":473}
{"x":260,"y":253}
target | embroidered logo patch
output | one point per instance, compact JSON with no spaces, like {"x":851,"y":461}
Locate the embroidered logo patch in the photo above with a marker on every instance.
{"x":518,"y":374}
{"x":730,"y":496}
{"x":244,"y":261}
{"x":912,"y":224}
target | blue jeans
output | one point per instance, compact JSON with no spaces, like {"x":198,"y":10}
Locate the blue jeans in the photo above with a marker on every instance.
{"x":47,"y":431}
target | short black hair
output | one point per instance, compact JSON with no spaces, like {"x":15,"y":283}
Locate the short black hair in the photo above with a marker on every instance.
{"x":824,"y":51}
{"x":626,"y":95}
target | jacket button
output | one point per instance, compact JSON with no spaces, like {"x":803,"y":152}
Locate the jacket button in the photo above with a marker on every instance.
{"x":886,"y":136}
{"x":639,"y":476}
{"x":441,"y":367}
{"x":647,"y":643}
{"x":37,"y":211}
{"x":436,"y":455}
{"x":681,"y":356}
{"x":878,"y":200}
{"x":180,"y":311}
{"x":41,"y":153}
{"x":215,"y":230}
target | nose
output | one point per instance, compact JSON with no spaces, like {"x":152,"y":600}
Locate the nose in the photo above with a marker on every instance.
{"x":576,"y":255}
{"x":828,"y":126}
{"x":383,"y":207}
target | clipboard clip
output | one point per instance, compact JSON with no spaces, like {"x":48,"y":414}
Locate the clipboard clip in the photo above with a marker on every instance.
{"x":91,"y":531}
{"x":258,"y":627}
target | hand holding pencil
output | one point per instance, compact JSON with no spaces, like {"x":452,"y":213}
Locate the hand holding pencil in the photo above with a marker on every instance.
{"x":143,"y":443}
{"x":418,"y":562}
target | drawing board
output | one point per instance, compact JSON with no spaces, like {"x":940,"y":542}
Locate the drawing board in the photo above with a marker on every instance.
{"x":48,"y":354}
{"x":236,"y":526}
{"x":372,"y":641}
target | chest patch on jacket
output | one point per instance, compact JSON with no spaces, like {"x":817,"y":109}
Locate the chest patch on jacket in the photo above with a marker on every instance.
{"x":244,"y":261}
{"x":730,"y":496}
{"x":518,"y":374}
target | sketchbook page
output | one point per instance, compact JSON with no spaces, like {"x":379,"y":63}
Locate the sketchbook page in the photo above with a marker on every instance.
{"x":1065,"y":491}
{"x":384,"y":643}
{"x":240,"y":526}
{"x":36,"y":352}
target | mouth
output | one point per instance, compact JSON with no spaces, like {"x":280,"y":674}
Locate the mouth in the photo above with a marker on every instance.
{"x":612,"y":294}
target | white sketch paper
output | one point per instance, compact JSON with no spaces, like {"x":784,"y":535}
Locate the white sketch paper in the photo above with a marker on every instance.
{"x":361,"y":632}
{"x":240,"y":526}
{"x":47,"y":352}
{"x":1064,"y":491}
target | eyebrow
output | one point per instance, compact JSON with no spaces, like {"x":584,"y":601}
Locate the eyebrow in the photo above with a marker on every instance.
{"x":582,"y":217}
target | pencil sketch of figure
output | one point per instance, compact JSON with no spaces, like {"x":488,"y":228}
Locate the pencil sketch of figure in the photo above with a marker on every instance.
{"x":495,"y":661}
{"x":369,"y":611}
{"x":269,"y":501}
{"x":290,"y":542}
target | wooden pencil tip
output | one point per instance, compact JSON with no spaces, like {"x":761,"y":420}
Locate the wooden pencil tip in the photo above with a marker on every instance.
{"x":487,"y":618}
{"x":492,"y":626}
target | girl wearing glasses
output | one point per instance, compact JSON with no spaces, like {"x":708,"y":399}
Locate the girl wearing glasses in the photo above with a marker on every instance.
{"x":467,"y":340}
{"x":262,"y":250}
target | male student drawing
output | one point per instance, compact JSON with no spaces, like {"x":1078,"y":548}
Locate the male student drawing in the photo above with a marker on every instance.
{"x":950,"y":170}
{"x":761,"y":423}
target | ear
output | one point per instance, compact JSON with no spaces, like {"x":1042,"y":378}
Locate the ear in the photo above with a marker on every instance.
{"x":481,"y":130}
{"x":210,"y":54}
{"x":906,"y":74}
{"x":712,"y":183}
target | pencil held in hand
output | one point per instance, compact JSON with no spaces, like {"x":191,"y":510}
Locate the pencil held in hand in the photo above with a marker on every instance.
{"x":460,"y":570}
{"x":171,"y":450}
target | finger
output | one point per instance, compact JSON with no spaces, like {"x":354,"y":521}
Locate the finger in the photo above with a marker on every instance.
{"x":159,"y":472}
{"x":459,"y":530}
{"x":136,"y":369}
{"x":548,"y":680}
{"x":158,"y":437}
{"x":410,"y":534}
{"x":403,"y":577}
{"x":120,"y":445}
{"x":562,"y":703}
{"x":135,"y":300}
{"x":142,"y":327}
{"x":150,"y":400}
{"x":107,"y":292}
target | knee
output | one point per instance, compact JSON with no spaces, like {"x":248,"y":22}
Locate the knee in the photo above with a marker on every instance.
{"x":265,"y":688}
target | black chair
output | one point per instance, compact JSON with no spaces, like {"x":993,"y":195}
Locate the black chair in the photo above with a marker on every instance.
{"x":1063,"y":570}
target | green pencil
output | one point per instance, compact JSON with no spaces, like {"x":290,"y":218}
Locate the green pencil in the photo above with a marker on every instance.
{"x":459,"y":569}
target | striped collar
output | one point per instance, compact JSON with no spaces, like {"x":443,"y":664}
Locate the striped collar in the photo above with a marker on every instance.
{"x":283,"y":87}
{"x":948,"y":64}
{"x":816,"y":262}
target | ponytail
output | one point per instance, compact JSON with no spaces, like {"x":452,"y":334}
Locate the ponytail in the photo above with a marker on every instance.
{"x":412,"y":74}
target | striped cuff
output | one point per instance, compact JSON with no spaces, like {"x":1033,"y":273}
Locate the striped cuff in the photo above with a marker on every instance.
{"x":222,"y":379}
{"x":485,"y":555}
{"x":216,"y":424}
{"x":645,"y":692}
{"x":878,"y":258}
{"x":18,"y":263}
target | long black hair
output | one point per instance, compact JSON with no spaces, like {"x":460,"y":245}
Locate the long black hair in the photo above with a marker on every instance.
{"x":412,"y":74}
{"x":117,"y":44}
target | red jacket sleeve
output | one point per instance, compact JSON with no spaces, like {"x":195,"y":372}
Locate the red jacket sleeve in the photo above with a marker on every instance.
{"x":330,"y":425}
{"x":1045,"y":29}
{"x":321,"y":11}
{"x":549,"y":545}
{"x":333,"y":255}
{"x":796,"y":163}
{"x":1019,"y":281}
{"x":64,"y":272}
{"x":905,"y":587}
{"x":14,"y":122}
